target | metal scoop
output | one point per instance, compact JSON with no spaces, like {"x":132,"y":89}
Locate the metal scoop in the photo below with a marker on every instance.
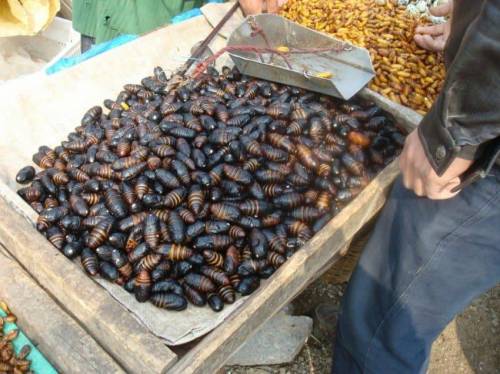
{"x":308,"y":58}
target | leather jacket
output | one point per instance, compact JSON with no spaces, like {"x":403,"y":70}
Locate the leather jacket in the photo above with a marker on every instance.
{"x":465,"y":118}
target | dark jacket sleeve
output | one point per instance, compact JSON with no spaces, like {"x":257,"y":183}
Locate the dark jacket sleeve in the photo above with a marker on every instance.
{"x":466,"y":114}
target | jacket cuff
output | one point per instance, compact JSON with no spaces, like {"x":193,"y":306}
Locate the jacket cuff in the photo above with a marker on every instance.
{"x":440,"y":148}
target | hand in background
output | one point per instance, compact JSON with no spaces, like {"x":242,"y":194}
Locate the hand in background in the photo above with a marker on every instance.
{"x":434,"y":38}
{"x":420,"y":177}
{"x":273,"y":6}
{"x":258,"y":6}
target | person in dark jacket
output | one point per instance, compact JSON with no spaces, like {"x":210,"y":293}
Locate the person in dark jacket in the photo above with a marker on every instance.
{"x":436,"y":245}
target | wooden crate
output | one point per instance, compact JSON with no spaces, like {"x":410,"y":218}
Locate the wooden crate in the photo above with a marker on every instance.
{"x":42,"y":110}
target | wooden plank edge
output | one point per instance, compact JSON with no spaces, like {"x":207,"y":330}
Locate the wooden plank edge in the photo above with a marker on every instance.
{"x":111,"y":325}
{"x":61,"y":339}
{"x":216,"y":348}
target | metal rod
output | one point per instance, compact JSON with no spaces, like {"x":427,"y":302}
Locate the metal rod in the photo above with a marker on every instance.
{"x":199,"y":51}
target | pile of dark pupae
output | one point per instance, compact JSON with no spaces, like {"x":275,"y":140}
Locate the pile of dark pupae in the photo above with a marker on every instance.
{"x":198,"y":193}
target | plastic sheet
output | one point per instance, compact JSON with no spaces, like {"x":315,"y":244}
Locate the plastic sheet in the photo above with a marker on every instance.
{"x":39,"y":363}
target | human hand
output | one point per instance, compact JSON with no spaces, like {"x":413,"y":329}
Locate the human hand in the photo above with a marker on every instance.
{"x":250,"y":7}
{"x":434,"y":38}
{"x":273,"y":6}
{"x":420,"y":177}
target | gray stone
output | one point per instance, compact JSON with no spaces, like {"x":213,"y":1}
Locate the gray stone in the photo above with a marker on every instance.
{"x":278,"y":341}
{"x":287,"y":309}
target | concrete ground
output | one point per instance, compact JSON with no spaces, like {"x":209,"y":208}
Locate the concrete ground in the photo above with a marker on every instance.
{"x":470,"y":344}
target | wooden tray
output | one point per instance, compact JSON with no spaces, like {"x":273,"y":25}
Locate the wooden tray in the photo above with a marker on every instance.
{"x":43,"y":111}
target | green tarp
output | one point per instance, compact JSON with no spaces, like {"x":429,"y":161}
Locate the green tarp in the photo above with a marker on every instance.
{"x":106,"y":19}
{"x":39,"y":364}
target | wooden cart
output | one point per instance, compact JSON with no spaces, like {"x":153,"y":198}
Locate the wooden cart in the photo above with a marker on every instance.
{"x":77,"y":324}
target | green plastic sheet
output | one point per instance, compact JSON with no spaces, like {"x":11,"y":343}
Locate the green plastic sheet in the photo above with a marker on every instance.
{"x":39,"y":363}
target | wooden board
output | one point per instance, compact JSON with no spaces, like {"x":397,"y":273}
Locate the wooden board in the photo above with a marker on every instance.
{"x":107,"y":321}
{"x":56,"y":334}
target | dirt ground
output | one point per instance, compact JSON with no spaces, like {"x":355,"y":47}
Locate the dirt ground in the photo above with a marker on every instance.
{"x":470,"y":343}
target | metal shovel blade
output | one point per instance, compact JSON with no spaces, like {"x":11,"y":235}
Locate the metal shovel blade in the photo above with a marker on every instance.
{"x":350,"y":66}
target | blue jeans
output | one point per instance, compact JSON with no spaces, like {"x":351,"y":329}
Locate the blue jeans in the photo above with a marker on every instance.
{"x":424,"y":263}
